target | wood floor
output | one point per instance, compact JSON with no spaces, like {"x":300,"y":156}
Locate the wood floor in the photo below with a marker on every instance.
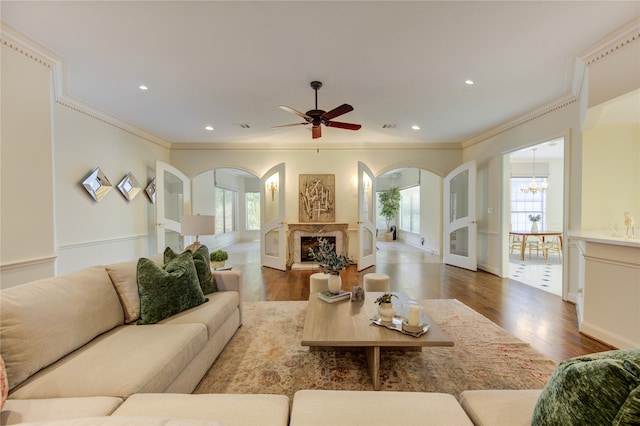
{"x":539,"y":318}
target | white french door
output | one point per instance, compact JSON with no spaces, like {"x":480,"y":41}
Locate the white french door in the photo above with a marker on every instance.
{"x":273,"y":234}
{"x":366,"y":217}
{"x":173,"y":200}
{"x":460,"y":225}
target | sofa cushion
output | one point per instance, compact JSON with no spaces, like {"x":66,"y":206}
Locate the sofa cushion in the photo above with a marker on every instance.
{"x":127,"y":421}
{"x":229,"y":409}
{"x":124,"y":278}
{"x":370,"y":408}
{"x":38,"y":410}
{"x":121,"y":362}
{"x":203,"y":267}
{"x":213,"y":314}
{"x":42,"y":321}
{"x":600,"y":388}
{"x":168,"y":290}
{"x":499,"y":407}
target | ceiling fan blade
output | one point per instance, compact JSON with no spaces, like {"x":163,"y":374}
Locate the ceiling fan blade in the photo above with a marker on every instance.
{"x":316,"y":132}
{"x":289,"y":125}
{"x":340,"y":125}
{"x":342,"y":109}
{"x":296,"y":112}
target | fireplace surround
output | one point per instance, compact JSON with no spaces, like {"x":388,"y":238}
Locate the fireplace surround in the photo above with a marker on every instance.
{"x":296,"y":231}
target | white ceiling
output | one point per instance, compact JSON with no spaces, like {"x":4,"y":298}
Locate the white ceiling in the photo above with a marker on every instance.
{"x":402,"y":63}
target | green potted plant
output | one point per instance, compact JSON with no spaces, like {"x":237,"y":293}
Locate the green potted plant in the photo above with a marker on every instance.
{"x":330,"y":262}
{"x":385,"y":307}
{"x":389,"y":207}
{"x":218,"y":258}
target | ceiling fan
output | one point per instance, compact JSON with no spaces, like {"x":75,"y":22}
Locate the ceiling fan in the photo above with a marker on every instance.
{"x":316,"y":117}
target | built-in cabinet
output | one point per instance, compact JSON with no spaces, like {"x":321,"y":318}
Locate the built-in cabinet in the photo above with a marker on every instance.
{"x":608,"y":302}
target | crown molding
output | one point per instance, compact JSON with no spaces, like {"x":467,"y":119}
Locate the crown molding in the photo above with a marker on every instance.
{"x":532,"y":115}
{"x":617,"y":40}
{"x":303,"y":146}
{"x":26,"y":46}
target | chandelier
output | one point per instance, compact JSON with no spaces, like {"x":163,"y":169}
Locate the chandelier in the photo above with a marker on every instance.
{"x":532,"y":187}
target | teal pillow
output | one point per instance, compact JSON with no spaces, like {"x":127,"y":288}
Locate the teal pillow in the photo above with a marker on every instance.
{"x":203,"y":267}
{"x":598,"y":389}
{"x":166,"y":291}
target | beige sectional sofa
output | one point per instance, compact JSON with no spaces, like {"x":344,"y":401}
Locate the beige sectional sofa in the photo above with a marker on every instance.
{"x":74,"y":355}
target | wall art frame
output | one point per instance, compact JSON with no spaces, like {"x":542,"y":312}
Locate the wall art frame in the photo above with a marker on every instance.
{"x":317,"y":198}
{"x":97,"y":184}
{"x":129,"y":187}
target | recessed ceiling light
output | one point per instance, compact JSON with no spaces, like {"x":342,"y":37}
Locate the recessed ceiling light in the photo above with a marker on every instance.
{"x":209,"y":128}
{"x":415,"y":127}
{"x":469,"y":82}
{"x":143,"y":87}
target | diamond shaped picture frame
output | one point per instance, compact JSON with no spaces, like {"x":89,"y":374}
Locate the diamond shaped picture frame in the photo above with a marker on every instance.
{"x":97,"y":185}
{"x":129,"y":187}
{"x":150,"y":190}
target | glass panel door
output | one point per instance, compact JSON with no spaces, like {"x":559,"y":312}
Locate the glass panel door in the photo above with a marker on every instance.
{"x":173,"y":200}
{"x":460,"y":227}
{"x":366,"y":217}
{"x":272,"y":228}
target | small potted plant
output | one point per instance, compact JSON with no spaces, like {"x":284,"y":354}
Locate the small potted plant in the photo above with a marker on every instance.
{"x":218,"y":258}
{"x":385,"y":307}
{"x":534,"y":222}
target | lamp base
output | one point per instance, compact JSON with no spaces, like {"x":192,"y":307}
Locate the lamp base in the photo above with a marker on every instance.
{"x":193,"y":247}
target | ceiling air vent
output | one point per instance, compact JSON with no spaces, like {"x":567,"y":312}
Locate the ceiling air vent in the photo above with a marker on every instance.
{"x":243,"y":125}
{"x":389,"y":126}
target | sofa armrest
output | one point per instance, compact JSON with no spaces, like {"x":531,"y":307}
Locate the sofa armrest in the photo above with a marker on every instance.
{"x":230,"y":280}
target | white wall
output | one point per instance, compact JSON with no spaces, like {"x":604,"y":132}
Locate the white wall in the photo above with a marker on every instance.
{"x":341,"y":162}
{"x":26,"y":172}
{"x":611,"y":163}
{"x":48,"y":147}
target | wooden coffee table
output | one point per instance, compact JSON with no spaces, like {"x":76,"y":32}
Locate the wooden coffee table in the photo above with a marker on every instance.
{"x":348,"y":324}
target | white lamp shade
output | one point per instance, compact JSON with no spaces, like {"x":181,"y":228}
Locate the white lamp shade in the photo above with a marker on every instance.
{"x":198,"y":225}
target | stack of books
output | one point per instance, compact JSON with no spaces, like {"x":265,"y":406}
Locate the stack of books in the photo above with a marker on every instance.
{"x":329,"y":297}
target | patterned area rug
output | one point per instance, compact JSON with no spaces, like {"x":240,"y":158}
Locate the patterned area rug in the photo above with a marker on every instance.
{"x":265,"y":356}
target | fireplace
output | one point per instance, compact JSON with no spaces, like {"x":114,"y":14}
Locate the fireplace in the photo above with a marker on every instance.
{"x":298,"y":250}
{"x":307,"y":243}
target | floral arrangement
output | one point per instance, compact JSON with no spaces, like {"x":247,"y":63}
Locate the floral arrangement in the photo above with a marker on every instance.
{"x":535,"y":218}
{"x":385,"y":298}
{"x":329,"y":261}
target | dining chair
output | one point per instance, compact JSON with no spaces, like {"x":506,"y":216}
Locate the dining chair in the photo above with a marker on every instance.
{"x":552,"y":244}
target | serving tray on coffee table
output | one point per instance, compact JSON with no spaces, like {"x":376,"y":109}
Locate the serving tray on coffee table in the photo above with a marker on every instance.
{"x":396,"y":324}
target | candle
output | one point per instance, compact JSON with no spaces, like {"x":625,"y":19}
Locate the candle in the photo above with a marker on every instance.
{"x":414,"y":315}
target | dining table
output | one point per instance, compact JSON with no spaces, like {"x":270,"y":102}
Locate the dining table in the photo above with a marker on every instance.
{"x":541,"y":234}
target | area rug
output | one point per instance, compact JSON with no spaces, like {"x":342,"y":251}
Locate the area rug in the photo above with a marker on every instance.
{"x":265,"y":356}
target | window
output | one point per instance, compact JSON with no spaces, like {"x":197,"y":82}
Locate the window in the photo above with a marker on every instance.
{"x":225,"y":210}
{"x":523,"y":205}
{"x":252,"y":204}
{"x":410,"y":209}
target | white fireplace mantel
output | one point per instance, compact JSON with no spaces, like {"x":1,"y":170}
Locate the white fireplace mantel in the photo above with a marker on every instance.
{"x":297,"y":230}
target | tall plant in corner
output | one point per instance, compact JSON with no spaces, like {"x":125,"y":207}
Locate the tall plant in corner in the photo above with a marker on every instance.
{"x":390,"y":204}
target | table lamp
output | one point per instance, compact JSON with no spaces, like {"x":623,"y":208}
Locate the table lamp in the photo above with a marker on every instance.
{"x":197,"y":225}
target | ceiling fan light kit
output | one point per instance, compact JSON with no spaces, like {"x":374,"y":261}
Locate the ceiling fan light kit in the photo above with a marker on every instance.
{"x":317,"y":117}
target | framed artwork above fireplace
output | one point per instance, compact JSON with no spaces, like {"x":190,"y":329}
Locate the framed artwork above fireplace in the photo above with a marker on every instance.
{"x":316,"y":198}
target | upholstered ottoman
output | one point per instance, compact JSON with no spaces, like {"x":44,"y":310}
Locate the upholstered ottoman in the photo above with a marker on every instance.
{"x":376,"y":282}
{"x":228,"y":409}
{"x":318,"y":282}
{"x":371,"y":408}
{"x":499,"y":407}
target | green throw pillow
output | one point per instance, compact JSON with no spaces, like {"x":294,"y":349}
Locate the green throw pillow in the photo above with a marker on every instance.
{"x":203,"y":267}
{"x":597,"y":389}
{"x":166,"y":291}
